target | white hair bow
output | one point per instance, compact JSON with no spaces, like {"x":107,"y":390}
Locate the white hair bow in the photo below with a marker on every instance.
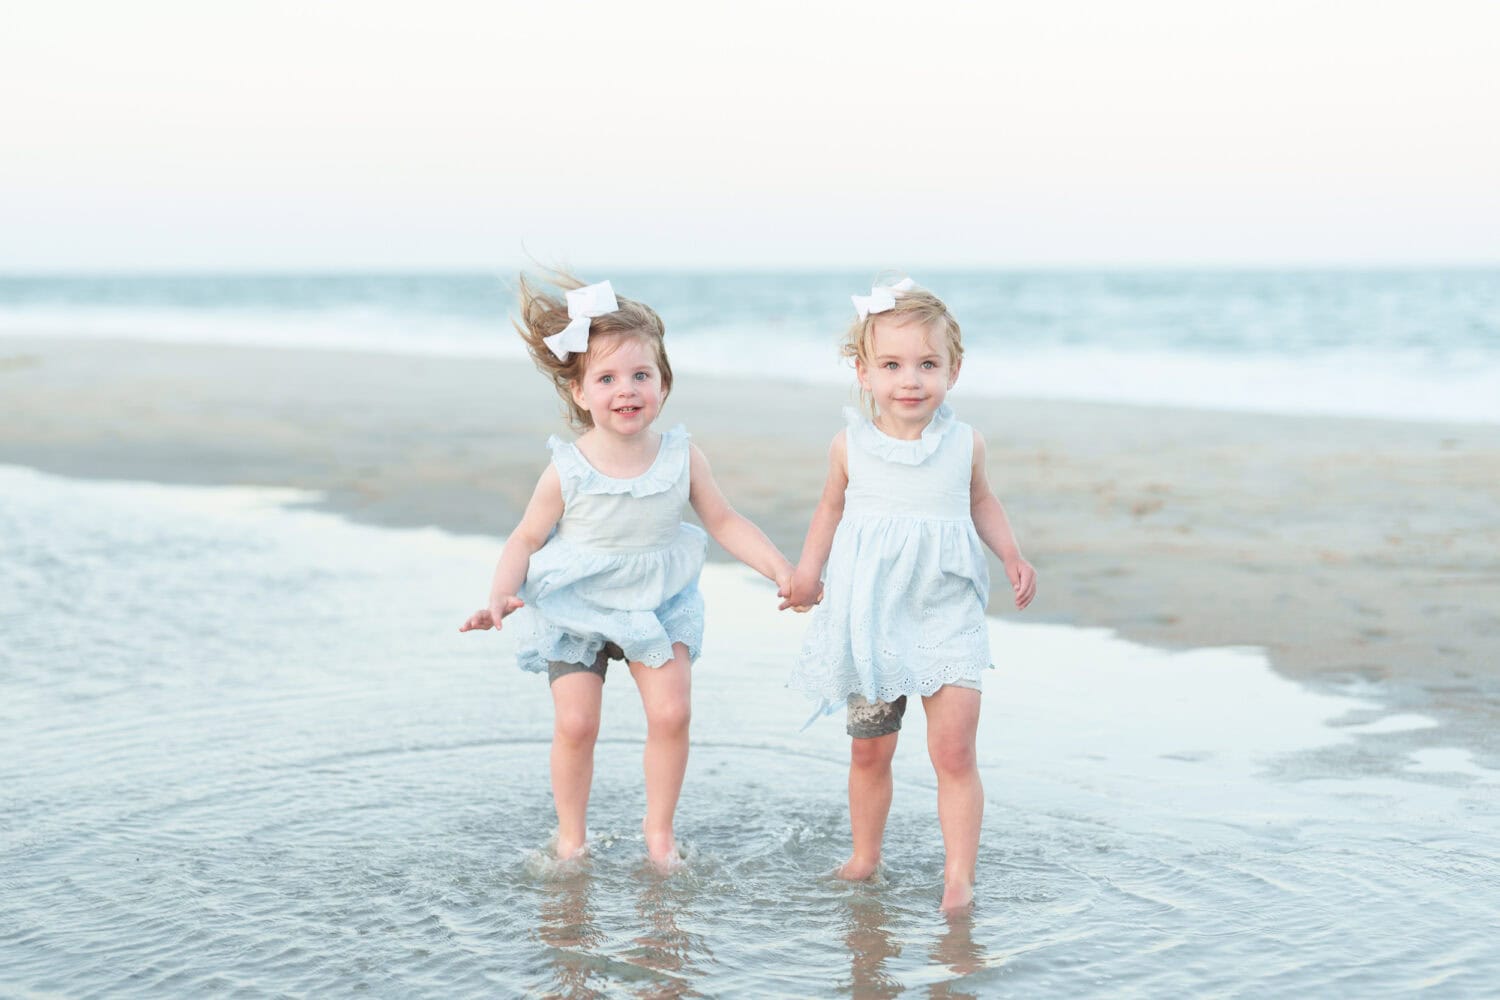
{"x":881,"y":298}
{"x":584,"y":304}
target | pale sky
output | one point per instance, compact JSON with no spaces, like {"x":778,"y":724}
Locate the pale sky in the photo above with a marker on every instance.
{"x":443,"y":134}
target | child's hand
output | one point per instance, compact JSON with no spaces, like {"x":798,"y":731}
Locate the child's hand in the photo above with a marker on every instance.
{"x":479,"y":619}
{"x":783,"y":584}
{"x":799,"y":594}
{"x":1022,"y":580}
{"x":491,"y":616}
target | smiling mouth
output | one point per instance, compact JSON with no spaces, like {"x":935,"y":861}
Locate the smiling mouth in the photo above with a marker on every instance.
{"x":628,"y":409}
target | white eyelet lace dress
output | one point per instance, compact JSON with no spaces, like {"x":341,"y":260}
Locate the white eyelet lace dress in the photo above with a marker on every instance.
{"x":907,"y":580}
{"x":621,"y":566}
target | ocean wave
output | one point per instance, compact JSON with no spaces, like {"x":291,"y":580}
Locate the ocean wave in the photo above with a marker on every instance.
{"x":1408,"y":345}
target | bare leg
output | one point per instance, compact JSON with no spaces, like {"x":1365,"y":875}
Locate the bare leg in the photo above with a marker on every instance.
{"x":952,"y":727}
{"x":576,"y":698}
{"x":666,"y":695}
{"x":869,"y":802}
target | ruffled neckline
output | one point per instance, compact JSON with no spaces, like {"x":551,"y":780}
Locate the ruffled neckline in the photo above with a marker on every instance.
{"x":663,"y":473}
{"x":882,"y":445}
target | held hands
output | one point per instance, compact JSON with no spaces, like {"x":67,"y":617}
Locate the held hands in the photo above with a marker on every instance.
{"x":1022,"y":580}
{"x":799,"y":593}
{"x":491,"y":616}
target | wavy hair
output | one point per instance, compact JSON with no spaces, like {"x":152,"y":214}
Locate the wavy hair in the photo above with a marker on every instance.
{"x":543,"y":313}
{"x":917,"y":305}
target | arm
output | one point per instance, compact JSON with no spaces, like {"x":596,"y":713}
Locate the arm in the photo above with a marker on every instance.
{"x":994,"y":529}
{"x":806,"y":585}
{"x":543,"y":512}
{"x":731,"y":529}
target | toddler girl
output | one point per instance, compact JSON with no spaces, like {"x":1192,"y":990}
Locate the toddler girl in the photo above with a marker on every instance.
{"x":602,"y":559}
{"x":899,"y":524}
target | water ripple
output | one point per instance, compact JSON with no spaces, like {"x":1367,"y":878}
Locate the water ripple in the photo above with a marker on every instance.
{"x":253,"y":809}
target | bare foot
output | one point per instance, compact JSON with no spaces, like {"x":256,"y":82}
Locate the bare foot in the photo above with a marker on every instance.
{"x":661,"y":848}
{"x":856,"y":869}
{"x":957,"y":897}
{"x":569,"y":849}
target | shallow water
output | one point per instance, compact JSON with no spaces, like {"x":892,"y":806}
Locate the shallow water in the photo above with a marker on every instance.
{"x":243,"y":751}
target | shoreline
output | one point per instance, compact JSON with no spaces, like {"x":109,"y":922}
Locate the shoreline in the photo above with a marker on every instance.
{"x":1351,"y":549}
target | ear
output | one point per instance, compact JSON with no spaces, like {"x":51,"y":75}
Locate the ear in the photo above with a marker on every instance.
{"x":578,"y":397}
{"x":862,"y":372}
{"x":953,"y":375}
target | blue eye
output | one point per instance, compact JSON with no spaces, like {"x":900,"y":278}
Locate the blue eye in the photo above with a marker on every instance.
{"x":606,"y":379}
{"x":890,"y":365}
{"x":929,"y":364}
{"x":641,"y":376}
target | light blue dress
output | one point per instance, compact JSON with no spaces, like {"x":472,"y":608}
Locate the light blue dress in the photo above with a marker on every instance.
{"x":907,"y":579}
{"x":621,"y":566}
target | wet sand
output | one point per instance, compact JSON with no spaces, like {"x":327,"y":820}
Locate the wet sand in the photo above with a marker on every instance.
{"x":1353,"y":551}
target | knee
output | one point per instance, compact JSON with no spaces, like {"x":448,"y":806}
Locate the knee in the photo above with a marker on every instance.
{"x":576,"y":728}
{"x":952,"y":756}
{"x":871,"y":754}
{"x":671,"y":718}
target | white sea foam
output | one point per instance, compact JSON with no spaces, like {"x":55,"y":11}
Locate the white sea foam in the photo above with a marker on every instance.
{"x":1391,"y":380}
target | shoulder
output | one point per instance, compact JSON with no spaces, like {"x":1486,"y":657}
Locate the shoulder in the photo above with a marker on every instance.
{"x":700,"y":473}
{"x":977,"y":452}
{"x":568,"y":466}
{"x":547,"y":499}
{"x":567,"y":456}
{"x":838,"y":456}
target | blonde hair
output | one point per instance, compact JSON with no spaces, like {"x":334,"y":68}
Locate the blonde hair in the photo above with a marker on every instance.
{"x":544,"y":314}
{"x":917,"y":305}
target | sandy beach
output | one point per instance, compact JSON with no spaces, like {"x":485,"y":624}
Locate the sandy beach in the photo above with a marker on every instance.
{"x":1353,"y":551}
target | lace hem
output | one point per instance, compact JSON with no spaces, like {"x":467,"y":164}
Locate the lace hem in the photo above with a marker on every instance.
{"x":877,"y":442}
{"x":666,"y":470}
{"x":644,"y":637}
{"x":564,"y":648}
{"x":835,"y":691}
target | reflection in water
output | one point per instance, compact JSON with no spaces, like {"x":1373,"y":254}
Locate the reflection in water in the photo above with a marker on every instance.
{"x":566,"y":925}
{"x":663,"y":945}
{"x":871,"y":944}
{"x":963,"y":956}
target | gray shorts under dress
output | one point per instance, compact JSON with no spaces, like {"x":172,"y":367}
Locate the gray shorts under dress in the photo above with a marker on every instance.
{"x":556,"y":668}
{"x":868,"y":720}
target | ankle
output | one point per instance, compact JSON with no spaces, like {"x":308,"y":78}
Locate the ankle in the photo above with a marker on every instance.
{"x":658,"y":839}
{"x":958,"y":892}
{"x":568,"y":847}
{"x":858,"y":867}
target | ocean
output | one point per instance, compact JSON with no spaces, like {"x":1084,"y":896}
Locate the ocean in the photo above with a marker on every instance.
{"x":1405,"y":344}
